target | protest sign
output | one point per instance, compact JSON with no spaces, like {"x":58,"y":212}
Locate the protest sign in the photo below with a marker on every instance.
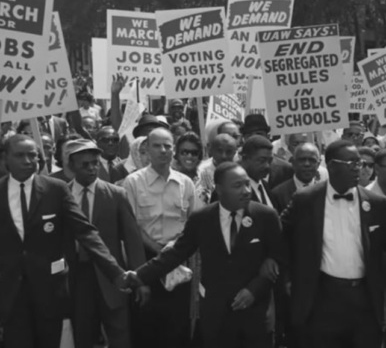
{"x":245,"y":19}
{"x":99,"y":68}
{"x":225,"y":107}
{"x":195,"y":52}
{"x":257,"y":102}
{"x":24,"y":32}
{"x":303,"y":79}
{"x":373,"y":70}
{"x":132,"y":112}
{"x":359,"y":99}
{"x":133,"y":50}
{"x":372,"y":51}
{"x":58,"y":93}
{"x":347,"y":46}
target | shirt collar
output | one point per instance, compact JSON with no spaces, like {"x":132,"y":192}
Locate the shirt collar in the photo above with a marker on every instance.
{"x":79,"y":188}
{"x":152,"y":175}
{"x":300,"y":184}
{"x":225,"y":213}
{"x":331,"y":192}
{"x":27,"y":183}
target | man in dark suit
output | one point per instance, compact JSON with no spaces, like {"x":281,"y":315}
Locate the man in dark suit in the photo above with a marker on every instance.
{"x":279,"y":171}
{"x":234,"y":237}
{"x":256,"y":159}
{"x":108,"y":208}
{"x":305,"y":163}
{"x":107,"y":140}
{"x":39,"y":225}
{"x":336,"y":237}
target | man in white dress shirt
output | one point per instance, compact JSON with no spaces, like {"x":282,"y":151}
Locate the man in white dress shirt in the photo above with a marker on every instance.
{"x":336,"y":237}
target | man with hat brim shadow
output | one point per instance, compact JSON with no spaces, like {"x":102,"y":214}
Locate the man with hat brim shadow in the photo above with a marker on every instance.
{"x":280,"y":171}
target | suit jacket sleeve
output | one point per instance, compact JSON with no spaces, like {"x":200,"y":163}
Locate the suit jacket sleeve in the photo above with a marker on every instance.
{"x":130,"y":233}
{"x":273,"y":246}
{"x":166,"y":261}
{"x":87,"y":236}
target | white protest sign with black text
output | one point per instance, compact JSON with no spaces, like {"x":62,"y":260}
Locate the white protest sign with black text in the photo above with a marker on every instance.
{"x":226,"y":107}
{"x":373,"y":70}
{"x":58,"y":94}
{"x":245,"y":19}
{"x":24,"y":30}
{"x":303,"y":79}
{"x":359,"y":99}
{"x":195,"y":59}
{"x":99,"y":68}
{"x":133,"y":50}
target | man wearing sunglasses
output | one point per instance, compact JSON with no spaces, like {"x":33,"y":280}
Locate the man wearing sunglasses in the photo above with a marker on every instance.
{"x":108,"y":141}
{"x":336,"y":236}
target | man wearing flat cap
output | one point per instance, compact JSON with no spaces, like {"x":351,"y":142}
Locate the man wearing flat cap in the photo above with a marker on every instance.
{"x":108,"y":208}
{"x":40,"y":223}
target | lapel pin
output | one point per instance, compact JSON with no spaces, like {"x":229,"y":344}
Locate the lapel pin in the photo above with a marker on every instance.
{"x":48,"y":227}
{"x":366,"y":206}
{"x":246,"y":221}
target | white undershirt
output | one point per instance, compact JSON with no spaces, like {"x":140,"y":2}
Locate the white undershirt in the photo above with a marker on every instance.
{"x":342,"y":253}
{"x":225,"y":222}
{"x":15,"y":203}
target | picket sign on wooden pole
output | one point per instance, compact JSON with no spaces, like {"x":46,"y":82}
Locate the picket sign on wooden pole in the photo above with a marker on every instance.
{"x":38,"y":139}
{"x":249,"y":95}
{"x":201,"y":121}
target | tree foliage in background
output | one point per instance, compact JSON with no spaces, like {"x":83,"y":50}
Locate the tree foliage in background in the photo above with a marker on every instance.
{"x":82,"y":20}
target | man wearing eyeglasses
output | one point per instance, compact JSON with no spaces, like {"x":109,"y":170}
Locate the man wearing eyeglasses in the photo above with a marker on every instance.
{"x":108,"y":141}
{"x":354,"y":133}
{"x":378,"y":186}
{"x":335,"y":234}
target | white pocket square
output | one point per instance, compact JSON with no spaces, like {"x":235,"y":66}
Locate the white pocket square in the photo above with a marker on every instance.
{"x":254,"y":240}
{"x":372,"y":228}
{"x":47,"y":217}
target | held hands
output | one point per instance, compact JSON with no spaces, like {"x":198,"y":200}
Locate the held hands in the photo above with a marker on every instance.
{"x":243,"y":300}
{"x":270,"y":270}
{"x":127,"y":281}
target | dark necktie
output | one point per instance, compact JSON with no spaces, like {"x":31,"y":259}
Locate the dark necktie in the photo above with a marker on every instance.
{"x":85,"y":205}
{"x":347,"y":196}
{"x":262,"y":195}
{"x":233,"y":230}
{"x":24,"y":209}
{"x":110,"y":166}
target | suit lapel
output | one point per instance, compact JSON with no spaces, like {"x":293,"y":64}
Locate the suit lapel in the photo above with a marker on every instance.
{"x":4,"y":205}
{"x":98,"y":202}
{"x":36,"y":195}
{"x":364,"y":216}
{"x":244,"y":230}
{"x":319,"y":205}
{"x":215,"y":218}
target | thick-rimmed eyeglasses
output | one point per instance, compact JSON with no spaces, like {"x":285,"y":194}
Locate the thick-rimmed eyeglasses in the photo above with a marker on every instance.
{"x":350,"y":164}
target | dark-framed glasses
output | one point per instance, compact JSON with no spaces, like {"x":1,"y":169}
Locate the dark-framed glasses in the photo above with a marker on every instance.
{"x":351,"y":164}
{"x":186,"y":152}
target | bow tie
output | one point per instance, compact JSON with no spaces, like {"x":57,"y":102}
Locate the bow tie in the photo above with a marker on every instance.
{"x":348,"y":196}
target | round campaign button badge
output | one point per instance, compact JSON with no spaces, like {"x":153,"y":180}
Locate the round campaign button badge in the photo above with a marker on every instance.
{"x":366,"y":206}
{"x":48,"y":227}
{"x":246,"y":221}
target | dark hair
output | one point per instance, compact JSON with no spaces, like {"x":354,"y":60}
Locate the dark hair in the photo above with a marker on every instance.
{"x":255,"y":143}
{"x":222,"y":169}
{"x":190,"y":137}
{"x":22,"y":124}
{"x":15,"y":139}
{"x":59,"y":146}
{"x":379,"y":156}
{"x":364,"y":150}
{"x":334,"y":148}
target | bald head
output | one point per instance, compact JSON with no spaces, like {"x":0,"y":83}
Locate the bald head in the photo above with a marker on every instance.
{"x":223,"y":148}
{"x":159,"y":132}
{"x":306,"y":162}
